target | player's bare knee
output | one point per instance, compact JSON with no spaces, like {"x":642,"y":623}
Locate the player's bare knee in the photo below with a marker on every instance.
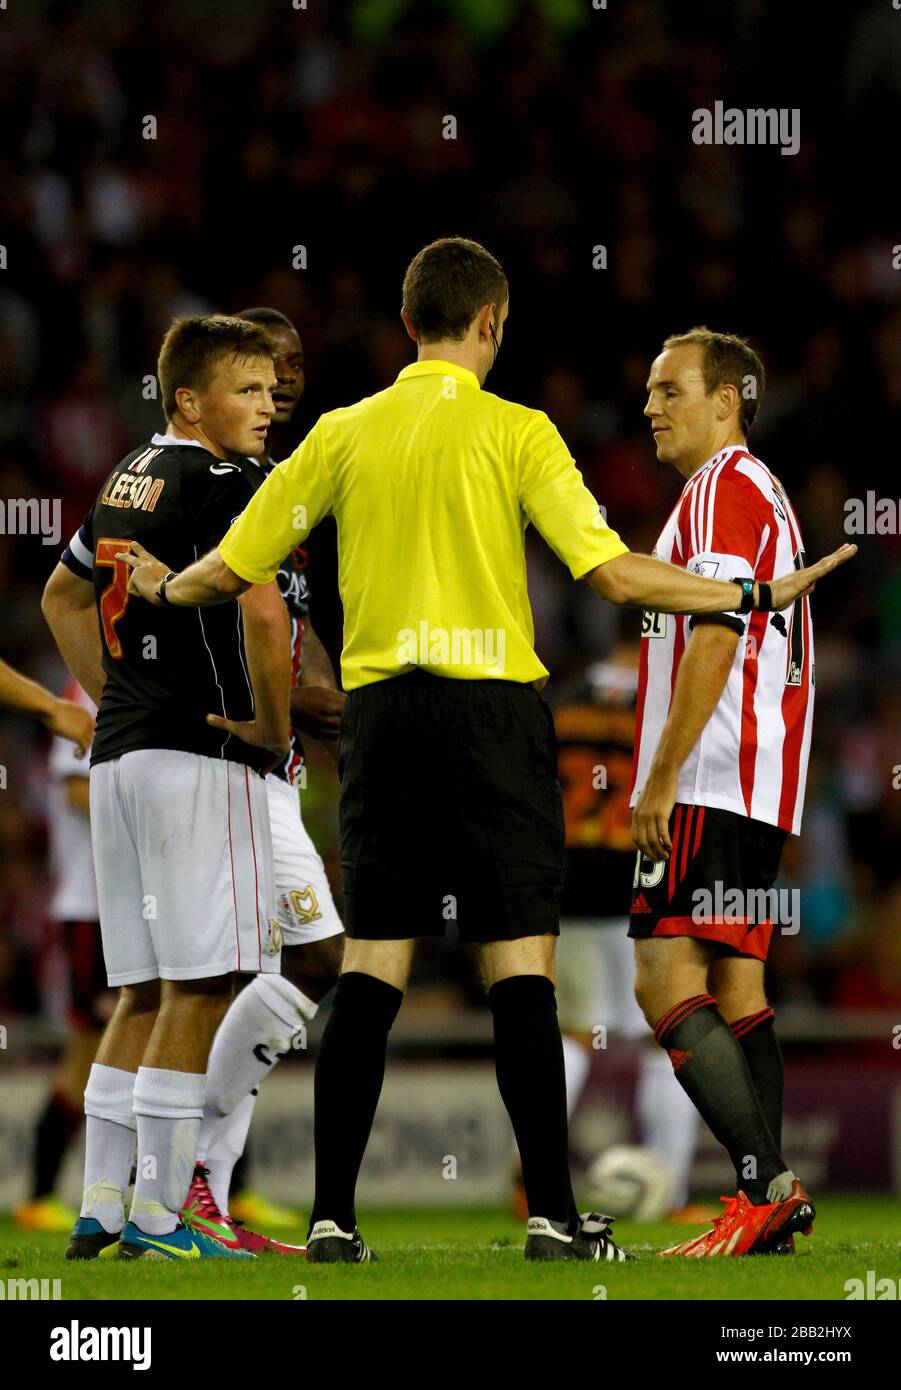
{"x":737,"y":984}
{"x":527,"y":955}
{"x":735,"y":1004}
{"x":388,"y":961}
{"x":315,"y":966}
{"x":213,"y":987}
{"x":208,"y":998}
{"x":143,"y":998}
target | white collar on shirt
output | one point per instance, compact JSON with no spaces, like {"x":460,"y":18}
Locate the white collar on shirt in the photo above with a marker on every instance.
{"x":163,"y":441}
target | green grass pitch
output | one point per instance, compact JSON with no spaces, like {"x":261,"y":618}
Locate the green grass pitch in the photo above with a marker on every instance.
{"x":477,"y":1254}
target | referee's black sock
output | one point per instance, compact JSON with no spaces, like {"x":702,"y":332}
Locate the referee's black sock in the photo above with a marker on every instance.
{"x":528,"y":1057}
{"x":757,"y":1035}
{"x":710,"y":1065}
{"x":350,"y":1069}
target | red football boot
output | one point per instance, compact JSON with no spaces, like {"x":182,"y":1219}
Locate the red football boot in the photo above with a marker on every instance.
{"x":200,"y":1206}
{"x":261,"y":1245}
{"x":745,"y":1229}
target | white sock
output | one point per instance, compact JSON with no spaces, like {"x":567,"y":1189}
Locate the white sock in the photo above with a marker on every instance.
{"x":109,"y":1146}
{"x":169,"y":1108}
{"x":270,"y":1014}
{"x":226,"y":1145}
{"x":667,"y":1120}
{"x":576,"y":1065}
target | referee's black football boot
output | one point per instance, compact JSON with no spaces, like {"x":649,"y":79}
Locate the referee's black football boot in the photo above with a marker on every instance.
{"x":548,"y":1240}
{"x":327,"y":1244}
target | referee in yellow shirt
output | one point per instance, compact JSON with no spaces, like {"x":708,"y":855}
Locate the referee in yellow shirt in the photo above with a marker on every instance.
{"x":450,"y":804}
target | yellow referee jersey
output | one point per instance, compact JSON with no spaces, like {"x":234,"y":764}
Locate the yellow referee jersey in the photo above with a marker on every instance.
{"x":432,"y":483}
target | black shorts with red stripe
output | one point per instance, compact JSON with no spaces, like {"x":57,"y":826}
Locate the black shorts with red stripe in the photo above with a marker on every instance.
{"x":716,"y":880}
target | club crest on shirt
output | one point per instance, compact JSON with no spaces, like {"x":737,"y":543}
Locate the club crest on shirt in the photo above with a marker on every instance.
{"x":273,"y":943}
{"x":301,"y":905}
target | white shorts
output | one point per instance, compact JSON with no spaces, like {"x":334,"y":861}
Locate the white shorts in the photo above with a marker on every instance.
{"x":183,"y":859}
{"x":306,"y":910}
{"x":596,"y":977}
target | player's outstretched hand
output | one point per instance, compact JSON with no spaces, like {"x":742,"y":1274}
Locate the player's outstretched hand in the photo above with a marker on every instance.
{"x":147,"y":572}
{"x":72,"y":722}
{"x":801,"y":582}
{"x":250,"y":732}
{"x":316,"y":710}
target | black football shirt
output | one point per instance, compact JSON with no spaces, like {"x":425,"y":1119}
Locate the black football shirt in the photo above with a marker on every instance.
{"x":166,"y":667}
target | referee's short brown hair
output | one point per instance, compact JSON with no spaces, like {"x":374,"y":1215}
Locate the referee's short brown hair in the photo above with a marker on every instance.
{"x":728,"y":360}
{"x":195,"y":344}
{"x":446,"y":285}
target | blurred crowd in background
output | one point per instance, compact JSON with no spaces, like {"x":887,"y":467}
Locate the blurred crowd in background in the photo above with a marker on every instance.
{"x":274,"y":128}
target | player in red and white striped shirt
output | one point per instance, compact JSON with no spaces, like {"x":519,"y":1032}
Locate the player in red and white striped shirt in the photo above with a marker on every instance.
{"x":725,"y":708}
{"x":734,"y":520}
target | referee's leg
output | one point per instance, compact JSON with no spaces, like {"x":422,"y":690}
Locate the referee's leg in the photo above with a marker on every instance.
{"x":350,"y":1070}
{"x":528,"y":1055}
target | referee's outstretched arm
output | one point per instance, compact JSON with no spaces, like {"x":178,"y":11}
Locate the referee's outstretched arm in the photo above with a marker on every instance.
{"x":644,"y":582}
{"x":637,"y":580}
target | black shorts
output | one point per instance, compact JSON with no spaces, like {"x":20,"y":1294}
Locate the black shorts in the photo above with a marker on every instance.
{"x":450,"y":810}
{"x":87,"y":973}
{"x":715,"y":884}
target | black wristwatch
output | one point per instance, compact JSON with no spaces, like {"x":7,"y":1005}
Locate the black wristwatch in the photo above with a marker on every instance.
{"x":747,"y":595}
{"x":764,"y":596}
{"x":161,"y":591}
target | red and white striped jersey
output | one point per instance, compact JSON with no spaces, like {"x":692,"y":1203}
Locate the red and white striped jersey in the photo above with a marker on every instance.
{"x":733,"y":520}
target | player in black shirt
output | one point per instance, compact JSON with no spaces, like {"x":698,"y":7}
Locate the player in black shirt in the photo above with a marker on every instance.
{"x":164,"y":675}
{"x":269,"y":1018}
{"x":190,"y":713}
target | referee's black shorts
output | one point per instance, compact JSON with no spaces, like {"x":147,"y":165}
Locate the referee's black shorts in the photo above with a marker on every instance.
{"x":450,"y":810}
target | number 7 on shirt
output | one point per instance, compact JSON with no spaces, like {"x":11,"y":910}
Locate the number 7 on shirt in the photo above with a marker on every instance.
{"x":114,"y":599}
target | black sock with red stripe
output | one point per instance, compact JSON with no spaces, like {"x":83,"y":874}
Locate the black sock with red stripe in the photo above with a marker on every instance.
{"x":710,"y":1066}
{"x":757,"y":1035}
{"x":56,"y":1127}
